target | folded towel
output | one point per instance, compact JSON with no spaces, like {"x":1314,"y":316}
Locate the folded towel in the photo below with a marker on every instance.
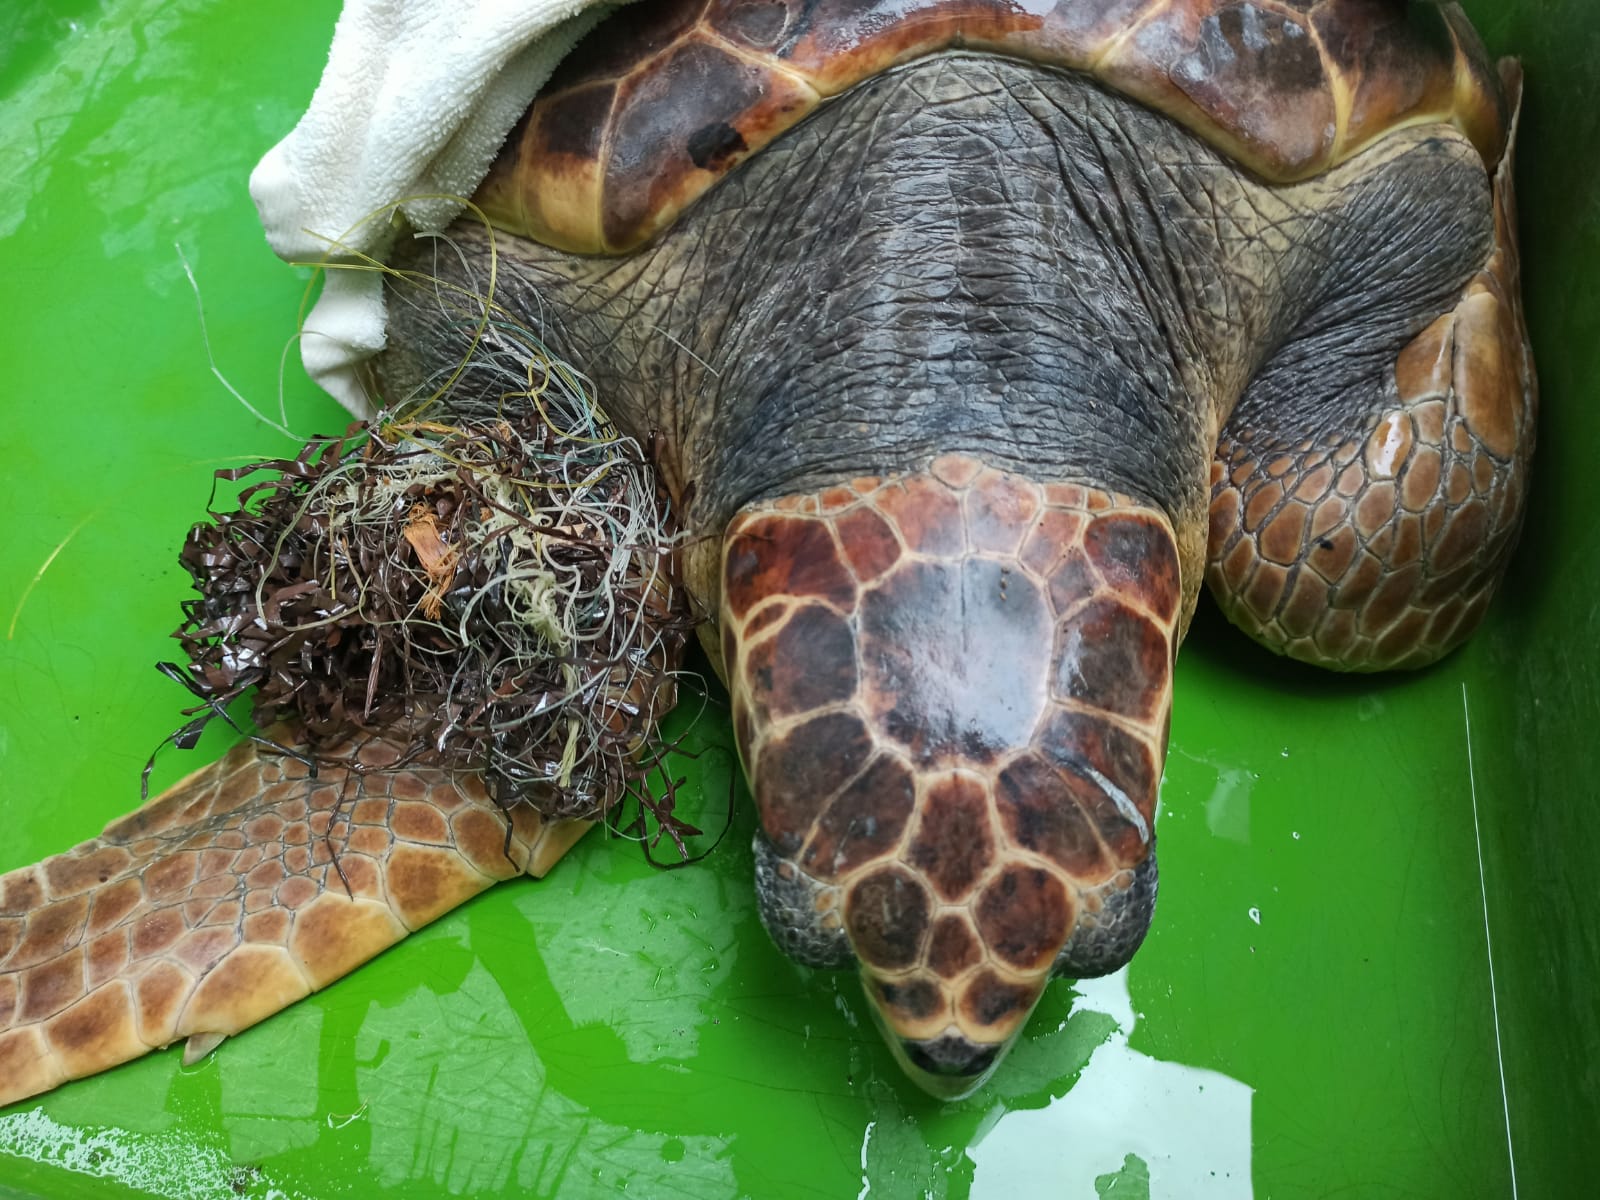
{"x":415,"y":101}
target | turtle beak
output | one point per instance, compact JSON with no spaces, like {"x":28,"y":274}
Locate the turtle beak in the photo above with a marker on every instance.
{"x":950,"y":1067}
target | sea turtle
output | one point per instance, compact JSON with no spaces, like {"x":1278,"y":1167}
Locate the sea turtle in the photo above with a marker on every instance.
{"x":971,"y":335}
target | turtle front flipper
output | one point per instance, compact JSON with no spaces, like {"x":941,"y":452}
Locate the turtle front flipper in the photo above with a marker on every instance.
{"x":951,"y":691}
{"x":1374,"y":535}
{"x":241,"y":889}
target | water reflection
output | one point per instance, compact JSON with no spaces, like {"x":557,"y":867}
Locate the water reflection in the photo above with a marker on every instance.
{"x":1185,"y":1129}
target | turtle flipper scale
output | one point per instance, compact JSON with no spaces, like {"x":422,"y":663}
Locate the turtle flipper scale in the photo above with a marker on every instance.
{"x":238,"y":891}
{"x":1379,"y":544}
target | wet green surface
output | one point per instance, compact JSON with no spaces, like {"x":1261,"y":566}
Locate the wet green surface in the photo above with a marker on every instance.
{"x":1313,"y":1013}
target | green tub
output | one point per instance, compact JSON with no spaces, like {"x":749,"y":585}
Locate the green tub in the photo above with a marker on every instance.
{"x":1374,"y":967}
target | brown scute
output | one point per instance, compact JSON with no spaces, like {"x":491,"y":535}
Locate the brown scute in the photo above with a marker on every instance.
{"x":1112,"y":658}
{"x":170,"y":876}
{"x":423,"y":884}
{"x":1024,"y":916}
{"x":1400,"y":56}
{"x":869,"y":543}
{"x":159,"y":997}
{"x":26,"y":1065}
{"x":996,"y":1005}
{"x":403,"y":785}
{"x":20,"y":893}
{"x":1462,"y":537}
{"x":297,"y":891}
{"x":1136,"y":555}
{"x":480,"y":838}
{"x":108,"y":955}
{"x":624,"y":40}
{"x":953,"y":845}
{"x":886,"y":916}
{"x":202,"y":949}
{"x":1263,"y":76}
{"x":771,"y":614}
{"x":863,"y":822}
{"x":335,"y":935}
{"x":95,"y":1032}
{"x":1051,"y":539}
{"x":110,"y":904}
{"x":810,"y":662}
{"x":999,"y":512}
{"x":1045,"y":812}
{"x":69,"y":874}
{"x":574,"y":124}
{"x":952,"y":659}
{"x":927,"y":514}
{"x":757,"y":24}
{"x":372,"y":840}
{"x":361,"y":874}
{"x":911,"y":1000}
{"x":1283,"y":538}
{"x":783,"y":556}
{"x":156,"y":933}
{"x":954,"y":947}
{"x":797,"y":773}
{"x":1304,"y":606}
{"x":50,"y":987}
{"x":268,"y":925}
{"x":50,"y":930}
{"x":1075,"y":740}
{"x":660,"y":112}
{"x":249,"y":985}
{"x":414,"y":821}
{"x":267,"y":874}
{"x":1072,"y":581}
{"x":228,"y":913}
{"x":263,"y":829}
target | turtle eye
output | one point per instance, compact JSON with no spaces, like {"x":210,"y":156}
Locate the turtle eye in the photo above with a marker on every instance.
{"x":1112,"y":922}
{"x":800,"y":912}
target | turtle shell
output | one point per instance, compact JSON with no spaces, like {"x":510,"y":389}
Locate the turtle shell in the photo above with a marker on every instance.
{"x":667,"y":96}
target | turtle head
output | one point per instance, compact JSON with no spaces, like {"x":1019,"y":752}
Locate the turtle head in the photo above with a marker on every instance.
{"x":951,"y":692}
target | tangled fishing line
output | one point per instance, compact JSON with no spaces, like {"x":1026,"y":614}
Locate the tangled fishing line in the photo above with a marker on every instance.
{"x":490,"y":580}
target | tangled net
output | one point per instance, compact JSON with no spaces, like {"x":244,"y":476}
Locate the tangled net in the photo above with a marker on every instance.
{"x":496,"y":585}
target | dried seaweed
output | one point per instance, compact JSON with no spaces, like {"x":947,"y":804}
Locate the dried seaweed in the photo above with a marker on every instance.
{"x":496,"y":582}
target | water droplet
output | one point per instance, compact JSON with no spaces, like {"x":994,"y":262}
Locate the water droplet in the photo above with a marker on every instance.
{"x":1255,"y":915}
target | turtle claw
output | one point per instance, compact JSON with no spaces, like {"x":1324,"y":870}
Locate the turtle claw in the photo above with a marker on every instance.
{"x":199,"y":1045}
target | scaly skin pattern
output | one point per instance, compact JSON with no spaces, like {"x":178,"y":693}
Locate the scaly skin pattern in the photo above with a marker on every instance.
{"x":670,"y":95}
{"x":1380,"y":547}
{"x":951,"y":691}
{"x":238,"y":891}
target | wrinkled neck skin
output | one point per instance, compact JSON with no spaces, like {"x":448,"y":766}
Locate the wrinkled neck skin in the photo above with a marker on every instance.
{"x":941,"y":374}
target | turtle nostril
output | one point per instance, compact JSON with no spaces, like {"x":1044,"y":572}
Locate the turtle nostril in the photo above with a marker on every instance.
{"x":951,"y":1056}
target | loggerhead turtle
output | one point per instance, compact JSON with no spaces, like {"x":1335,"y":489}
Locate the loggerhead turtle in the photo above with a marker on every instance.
{"x":974,"y":334}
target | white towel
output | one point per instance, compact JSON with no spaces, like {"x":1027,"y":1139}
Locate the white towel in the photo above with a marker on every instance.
{"x":415,"y":101}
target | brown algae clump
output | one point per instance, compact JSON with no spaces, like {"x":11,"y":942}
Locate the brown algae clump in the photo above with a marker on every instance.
{"x":497,"y":584}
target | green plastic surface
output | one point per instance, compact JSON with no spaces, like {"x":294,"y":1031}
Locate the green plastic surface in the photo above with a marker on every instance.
{"x":1313,"y":1015}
